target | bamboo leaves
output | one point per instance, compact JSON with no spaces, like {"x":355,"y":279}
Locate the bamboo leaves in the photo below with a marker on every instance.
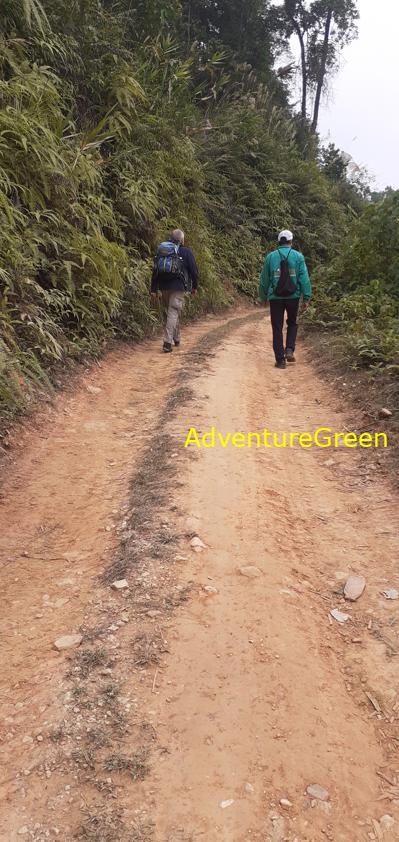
{"x":34,"y":13}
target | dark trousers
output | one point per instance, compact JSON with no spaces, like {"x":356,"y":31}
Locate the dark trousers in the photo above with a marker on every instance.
{"x":277,"y":310}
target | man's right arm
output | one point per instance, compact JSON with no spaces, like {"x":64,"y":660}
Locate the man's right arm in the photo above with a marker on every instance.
{"x":154,"y":281}
{"x":303,"y":277}
{"x":264,"y":282}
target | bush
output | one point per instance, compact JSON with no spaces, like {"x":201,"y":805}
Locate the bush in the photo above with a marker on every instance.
{"x":357,"y":295}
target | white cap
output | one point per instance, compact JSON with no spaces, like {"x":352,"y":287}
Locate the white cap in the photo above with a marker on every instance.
{"x":287,"y":235}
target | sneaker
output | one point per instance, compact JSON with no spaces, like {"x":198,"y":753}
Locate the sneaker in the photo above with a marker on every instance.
{"x":289,"y":355}
{"x":280,"y":364}
{"x":167,"y":348}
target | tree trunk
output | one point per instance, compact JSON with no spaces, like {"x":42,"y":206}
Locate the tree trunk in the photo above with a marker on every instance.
{"x":303,"y":68}
{"x":322,"y":72}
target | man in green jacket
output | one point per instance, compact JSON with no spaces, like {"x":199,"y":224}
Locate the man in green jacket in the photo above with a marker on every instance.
{"x":269,"y":291}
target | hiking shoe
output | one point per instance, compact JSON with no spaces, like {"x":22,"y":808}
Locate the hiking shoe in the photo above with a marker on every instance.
{"x":280,"y":364}
{"x":167,"y":348}
{"x":177,"y":342}
{"x":289,"y":355}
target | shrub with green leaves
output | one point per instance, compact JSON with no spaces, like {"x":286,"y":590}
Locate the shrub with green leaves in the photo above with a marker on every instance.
{"x":357,"y":295}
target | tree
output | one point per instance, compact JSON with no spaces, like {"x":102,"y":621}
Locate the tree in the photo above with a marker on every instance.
{"x":320,"y":57}
{"x":334,"y":163}
{"x":323,"y":28}
{"x":299,"y":22}
{"x":334,"y":27}
{"x":353,"y":181}
{"x":380,"y":195}
{"x":245,"y":28}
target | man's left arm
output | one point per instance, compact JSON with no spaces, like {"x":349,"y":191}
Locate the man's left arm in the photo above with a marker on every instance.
{"x":304,"y":280}
{"x":193,"y":269}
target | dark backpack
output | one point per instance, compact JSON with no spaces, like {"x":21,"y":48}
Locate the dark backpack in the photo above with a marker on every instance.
{"x":286,"y":284}
{"x":168,"y":261}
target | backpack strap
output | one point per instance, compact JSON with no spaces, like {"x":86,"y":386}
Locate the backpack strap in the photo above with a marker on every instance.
{"x":285,"y":258}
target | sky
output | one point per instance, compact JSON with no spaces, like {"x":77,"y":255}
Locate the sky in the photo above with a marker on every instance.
{"x":361,"y":115}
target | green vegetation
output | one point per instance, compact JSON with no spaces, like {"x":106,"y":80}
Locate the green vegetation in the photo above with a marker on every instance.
{"x":357,"y":295}
{"x":119,"y":120}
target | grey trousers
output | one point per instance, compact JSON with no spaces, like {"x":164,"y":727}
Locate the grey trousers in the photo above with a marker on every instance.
{"x":173,"y":303}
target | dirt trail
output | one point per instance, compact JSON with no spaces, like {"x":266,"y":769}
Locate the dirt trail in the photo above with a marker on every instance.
{"x":245,"y":695}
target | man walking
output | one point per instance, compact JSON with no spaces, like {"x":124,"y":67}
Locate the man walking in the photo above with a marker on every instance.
{"x":284,"y":281}
{"x":175,"y":273}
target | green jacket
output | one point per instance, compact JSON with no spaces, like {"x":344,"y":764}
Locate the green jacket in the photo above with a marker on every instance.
{"x":271,"y":272}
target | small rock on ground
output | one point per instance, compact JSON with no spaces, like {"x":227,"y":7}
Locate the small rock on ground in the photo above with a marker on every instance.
{"x":210,"y":590}
{"x":323,"y":806}
{"x":228,"y":803}
{"x":120,"y":584}
{"x":391,"y":593}
{"x":384,"y":412}
{"x":317,"y":791}
{"x":197,"y":545}
{"x":250,"y":572}
{"x":67,"y":641}
{"x":354,"y":587}
{"x":387,"y":822}
{"x":339,"y":616}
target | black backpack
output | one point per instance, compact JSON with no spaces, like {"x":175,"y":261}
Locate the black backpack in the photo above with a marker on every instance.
{"x":286,"y":285}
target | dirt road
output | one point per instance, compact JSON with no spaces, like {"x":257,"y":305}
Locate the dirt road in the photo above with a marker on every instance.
{"x":201,"y":703}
